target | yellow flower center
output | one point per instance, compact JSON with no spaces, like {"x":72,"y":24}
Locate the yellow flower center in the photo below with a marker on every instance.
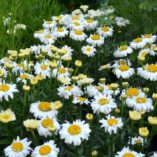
{"x":138,"y":141}
{"x":147,"y":36}
{"x":90,"y":20}
{"x":60,"y":29}
{"x":49,"y":22}
{"x":95,"y":37}
{"x":81,"y":99}
{"x":44,"y":106}
{"x":132,"y":92}
{"x":123,"y":48}
{"x":6,"y":116}
{"x":17,"y":146}
{"x":151,"y":68}
{"x":74,"y":129}
{"x":4,"y":88}
{"x":45,"y":150}
{"x":141,"y":100}
{"x":76,"y":23}
{"x":103,"y":101}
{"x":68,"y":88}
{"x":44,"y":67}
{"x":62,"y":70}
{"x":47,"y":123}
{"x":24,"y":76}
{"x":128,"y":155}
{"x":137,"y":40}
{"x":105,"y":29}
{"x":78,"y":32}
{"x":123,"y":67}
{"x":112,"y":121}
{"x":48,"y":36}
{"x":88,"y":49}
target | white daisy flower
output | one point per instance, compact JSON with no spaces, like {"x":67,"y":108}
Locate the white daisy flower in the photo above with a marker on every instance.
{"x":103,"y":104}
{"x":80,"y":100}
{"x":137,"y":140}
{"x":91,"y":90}
{"x":47,"y":126}
{"x":77,"y":25}
{"x":43,"y":109}
{"x":18,"y":148}
{"x":61,"y":71}
{"x":105,"y":31}
{"x":7,"y":90}
{"x":149,"y":72}
{"x":123,"y":51}
{"x":3,"y":72}
{"x":74,"y":133}
{"x":121,"y":62}
{"x":48,"y":149}
{"x":48,"y":39}
{"x":65,"y":80}
{"x":49,"y":24}
{"x":60,"y":32}
{"x":111,"y":124}
{"x":95,"y":40}
{"x":153,"y":50}
{"x":140,"y":103}
{"x":78,"y":35}
{"x":88,"y":50}
{"x":138,"y":43}
{"x":149,"y":38}
{"x":142,"y":54}
{"x":90,"y":24}
{"x":125,"y":152}
{"x":85,"y":81}
{"x":67,"y":91}
{"x":121,"y":22}
{"x":40,"y":33}
{"x":68,"y":51}
{"x":24,"y":77}
{"x":124,"y":71}
{"x":42,"y":69}
{"x":7,"y":116}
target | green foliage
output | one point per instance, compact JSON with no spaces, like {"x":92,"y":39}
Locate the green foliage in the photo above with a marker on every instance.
{"x":28,"y":12}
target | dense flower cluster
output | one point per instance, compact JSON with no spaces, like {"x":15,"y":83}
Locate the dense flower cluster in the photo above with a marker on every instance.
{"x":46,"y":91}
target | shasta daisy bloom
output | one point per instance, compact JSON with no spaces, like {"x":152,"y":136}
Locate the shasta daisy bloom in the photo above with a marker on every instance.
{"x":149,"y":72}
{"x":78,"y":35}
{"x":74,"y":133}
{"x":7,"y":90}
{"x":48,"y":39}
{"x":126,"y":152}
{"x":123,"y":71}
{"x":49,"y":24}
{"x":40,"y":33}
{"x":24,"y":77}
{"x":81,"y":100}
{"x":123,"y":51}
{"x":121,"y":22}
{"x":68,"y":51}
{"x":7,"y":116}
{"x":31,"y":124}
{"x":91,"y":90}
{"x":18,"y":148}
{"x":65,"y":80}
{"x":47,"y":126}
{"x":149,"y":38}
{"x":140,"y":103}
{"x":103,"y":104}
{"x":48,"y":149}
{"x":105,"y":31}
{"x":137,"y":141}
{"x":61,"y":71}
{"x":67,"y":91}
{"x":138,"y":43}
{"x":76,"y":25}
{"x":95,"y":40}
{"x":85,"y":81}
{"x":88,"y":50}
{"x":111,"y":124}
{"x":121,"y":62}
{"x":43,"y":69}
{"x":43,"y":109}
{"x":60,"y":32}
{"x":90,"y":24}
